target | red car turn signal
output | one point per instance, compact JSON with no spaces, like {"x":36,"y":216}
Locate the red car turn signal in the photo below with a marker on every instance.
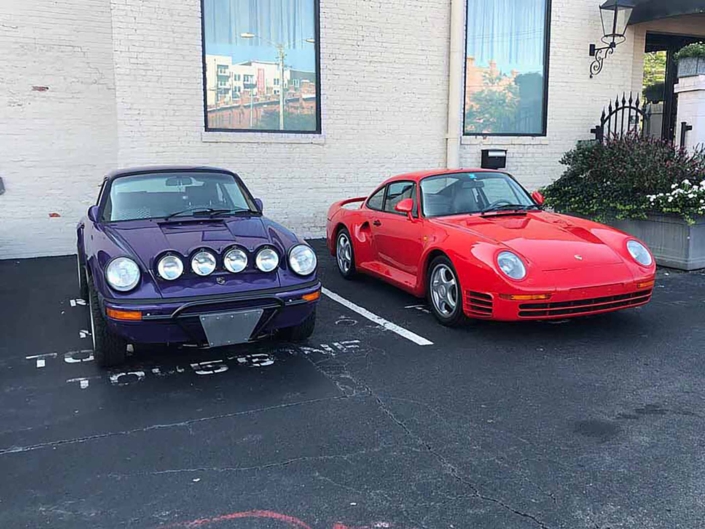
{"x":525,"y":297}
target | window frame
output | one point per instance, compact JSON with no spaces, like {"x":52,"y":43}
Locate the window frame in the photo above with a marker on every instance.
{"x":317,"y":51}
{"x":415,"y":211}
{"x":383,"y":189}
{"x":546,"y":64}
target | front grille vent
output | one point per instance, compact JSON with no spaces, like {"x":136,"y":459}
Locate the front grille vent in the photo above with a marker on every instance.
{"x":478,"y":304}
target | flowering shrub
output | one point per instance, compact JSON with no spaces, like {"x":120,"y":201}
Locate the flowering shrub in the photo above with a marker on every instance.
{"x":616,"y":179}
{"x":684,"y":199}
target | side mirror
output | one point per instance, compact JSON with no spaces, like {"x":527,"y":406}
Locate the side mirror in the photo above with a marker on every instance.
{"x":260,"y":205}
{"x":538,"y":198}
{"x":93,"y":213}
{"x":406,"y":206}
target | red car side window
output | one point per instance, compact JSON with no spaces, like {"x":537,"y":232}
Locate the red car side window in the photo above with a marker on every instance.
{"x":376,"y":200}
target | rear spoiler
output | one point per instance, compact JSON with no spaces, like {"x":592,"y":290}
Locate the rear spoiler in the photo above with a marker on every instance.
{"x":351,"y":200}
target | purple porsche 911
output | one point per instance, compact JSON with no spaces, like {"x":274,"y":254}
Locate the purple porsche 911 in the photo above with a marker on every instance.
{"x":183,"y":255}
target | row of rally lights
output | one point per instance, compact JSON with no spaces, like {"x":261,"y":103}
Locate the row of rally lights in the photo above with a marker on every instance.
{"x":302,"y":261}
{"x":123,"y":274}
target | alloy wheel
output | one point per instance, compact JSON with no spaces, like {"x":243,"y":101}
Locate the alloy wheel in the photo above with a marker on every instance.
{"x":444,"y":290}
{"x":344,"y":253}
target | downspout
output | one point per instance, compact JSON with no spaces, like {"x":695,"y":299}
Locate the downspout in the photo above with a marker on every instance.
{"x":455,"y":83}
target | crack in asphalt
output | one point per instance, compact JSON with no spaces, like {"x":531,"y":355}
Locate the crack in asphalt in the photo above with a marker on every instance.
{"x":448,"y":467}
{"x":265,"y":466}
{"x":497,"y":460}
{"x":187,"y":424}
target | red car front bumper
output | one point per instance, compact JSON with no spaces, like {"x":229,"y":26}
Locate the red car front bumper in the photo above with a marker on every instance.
{"x":559,"y":303}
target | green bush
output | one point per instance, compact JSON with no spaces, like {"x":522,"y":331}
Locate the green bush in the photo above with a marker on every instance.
{"x":617,"y":178}
{"x":696,"y":49}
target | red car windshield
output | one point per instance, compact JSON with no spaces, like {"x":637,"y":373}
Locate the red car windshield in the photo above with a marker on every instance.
{"x":466,"y":193}
{"x":161,"y":195}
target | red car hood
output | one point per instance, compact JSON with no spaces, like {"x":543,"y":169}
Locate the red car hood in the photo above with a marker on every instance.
{"x":550,"y":242}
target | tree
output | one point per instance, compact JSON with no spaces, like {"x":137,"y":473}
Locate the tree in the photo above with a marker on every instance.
{"x":654,"y":67}
{"x":495,"y":107}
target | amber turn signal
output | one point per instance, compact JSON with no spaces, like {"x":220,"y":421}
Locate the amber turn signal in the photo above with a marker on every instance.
{"x":525,"y":297}
{"x":646,"y":284}
{"x":124,"y":315}
{"x":313,"y":296}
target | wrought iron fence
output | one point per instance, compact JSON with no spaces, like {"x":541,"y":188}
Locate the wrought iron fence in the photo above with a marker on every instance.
{"x":628,"y":116}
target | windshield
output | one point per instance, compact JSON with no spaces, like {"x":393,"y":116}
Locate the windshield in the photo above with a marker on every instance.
{"x":160,"y":195}
{"x":464,"y":193}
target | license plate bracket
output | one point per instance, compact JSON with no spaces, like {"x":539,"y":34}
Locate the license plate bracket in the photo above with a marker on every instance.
{"x":230,"y":328}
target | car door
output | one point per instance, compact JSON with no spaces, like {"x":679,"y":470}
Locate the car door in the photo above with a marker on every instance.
{"x":398,"y":240}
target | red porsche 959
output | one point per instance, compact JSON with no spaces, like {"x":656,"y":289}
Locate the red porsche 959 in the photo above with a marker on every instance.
{"x":478,"y":245}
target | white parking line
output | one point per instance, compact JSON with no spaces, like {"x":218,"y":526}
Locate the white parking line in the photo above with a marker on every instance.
{"x":419,"y":340}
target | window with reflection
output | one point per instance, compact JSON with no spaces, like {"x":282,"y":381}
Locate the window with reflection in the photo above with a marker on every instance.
{"x":506,"y":67}
{"x":261,"y":64}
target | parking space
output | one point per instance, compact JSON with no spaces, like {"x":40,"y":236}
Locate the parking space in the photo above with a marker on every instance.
{"x":383,"y":419}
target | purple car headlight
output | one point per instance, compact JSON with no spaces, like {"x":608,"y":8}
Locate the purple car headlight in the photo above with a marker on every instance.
{"x":302,"y":259}
{"x":267,"y":260}
{"x":170,"y":267}
{"x":235,"y":260}
{"x":122,"y":274}
{"x":203,"y":263}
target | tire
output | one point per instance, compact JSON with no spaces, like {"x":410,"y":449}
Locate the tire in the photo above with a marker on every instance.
{"x":301,"y":332}
{"x":441,"y":273}
{"x":109,"y":349}
{"x":344,"y":254}
{"x":82,"y":277}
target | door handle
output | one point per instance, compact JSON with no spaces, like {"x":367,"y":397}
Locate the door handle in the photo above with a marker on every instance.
{"x":377,"y":223}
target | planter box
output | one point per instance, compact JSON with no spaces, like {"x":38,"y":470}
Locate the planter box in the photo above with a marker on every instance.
{"x":691,"y":66}
{"x":673,"y":242}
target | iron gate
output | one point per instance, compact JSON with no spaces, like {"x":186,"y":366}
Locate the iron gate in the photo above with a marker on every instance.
{"x":625,"y":117}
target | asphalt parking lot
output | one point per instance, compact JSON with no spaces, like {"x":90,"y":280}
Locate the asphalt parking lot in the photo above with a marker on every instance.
{"x":593,"y":423}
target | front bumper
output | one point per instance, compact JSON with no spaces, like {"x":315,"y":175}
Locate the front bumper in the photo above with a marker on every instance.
{"x":562,"y":303}
{"x":178,"y":321}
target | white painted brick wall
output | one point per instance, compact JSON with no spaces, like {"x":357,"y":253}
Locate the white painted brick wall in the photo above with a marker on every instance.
{"x":125,"y":88}
{"x":55,"y":145}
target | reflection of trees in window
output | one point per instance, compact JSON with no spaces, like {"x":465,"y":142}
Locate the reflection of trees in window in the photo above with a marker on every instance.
{"x":506,"y":66}
{"x":506,"y":104}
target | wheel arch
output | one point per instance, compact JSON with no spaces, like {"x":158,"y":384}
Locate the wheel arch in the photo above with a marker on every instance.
{"x":427,"y":260}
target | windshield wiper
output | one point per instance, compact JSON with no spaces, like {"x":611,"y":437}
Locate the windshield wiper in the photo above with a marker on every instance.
{"x":237,"y":211}
{"x":509,"y":207}
{"x":194,"y":211}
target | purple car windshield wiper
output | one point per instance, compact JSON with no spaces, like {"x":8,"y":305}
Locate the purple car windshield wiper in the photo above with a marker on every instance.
{"x":201,"y":211}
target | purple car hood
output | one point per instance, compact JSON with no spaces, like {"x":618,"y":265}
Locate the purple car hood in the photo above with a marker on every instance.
{"x":148,"y":240}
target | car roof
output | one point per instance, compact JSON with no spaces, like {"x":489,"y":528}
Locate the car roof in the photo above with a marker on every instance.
{"x":164,"y":169}
{"x":420,"y":175}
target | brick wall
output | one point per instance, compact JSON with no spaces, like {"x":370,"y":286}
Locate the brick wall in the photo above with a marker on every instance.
{"x":57,"y":119}
{"x":124,"y":82}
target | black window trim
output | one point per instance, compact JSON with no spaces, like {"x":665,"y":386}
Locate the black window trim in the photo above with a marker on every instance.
{"x":546,"y":61}
{"x":386,"y":191}
{"x":317,"y":46}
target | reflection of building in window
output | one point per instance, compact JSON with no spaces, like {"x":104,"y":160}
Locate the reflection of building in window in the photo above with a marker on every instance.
{"x":258,"y":53}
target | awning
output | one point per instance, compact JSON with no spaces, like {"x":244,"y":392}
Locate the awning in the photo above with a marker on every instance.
{"x":646,"y":10}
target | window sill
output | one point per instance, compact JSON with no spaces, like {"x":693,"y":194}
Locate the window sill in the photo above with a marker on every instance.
{"x":262,"y":137}
{"x":495,"y":141}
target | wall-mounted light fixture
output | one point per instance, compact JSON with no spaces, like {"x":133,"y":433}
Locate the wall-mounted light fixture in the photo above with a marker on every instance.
{"x":615,"y":16}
